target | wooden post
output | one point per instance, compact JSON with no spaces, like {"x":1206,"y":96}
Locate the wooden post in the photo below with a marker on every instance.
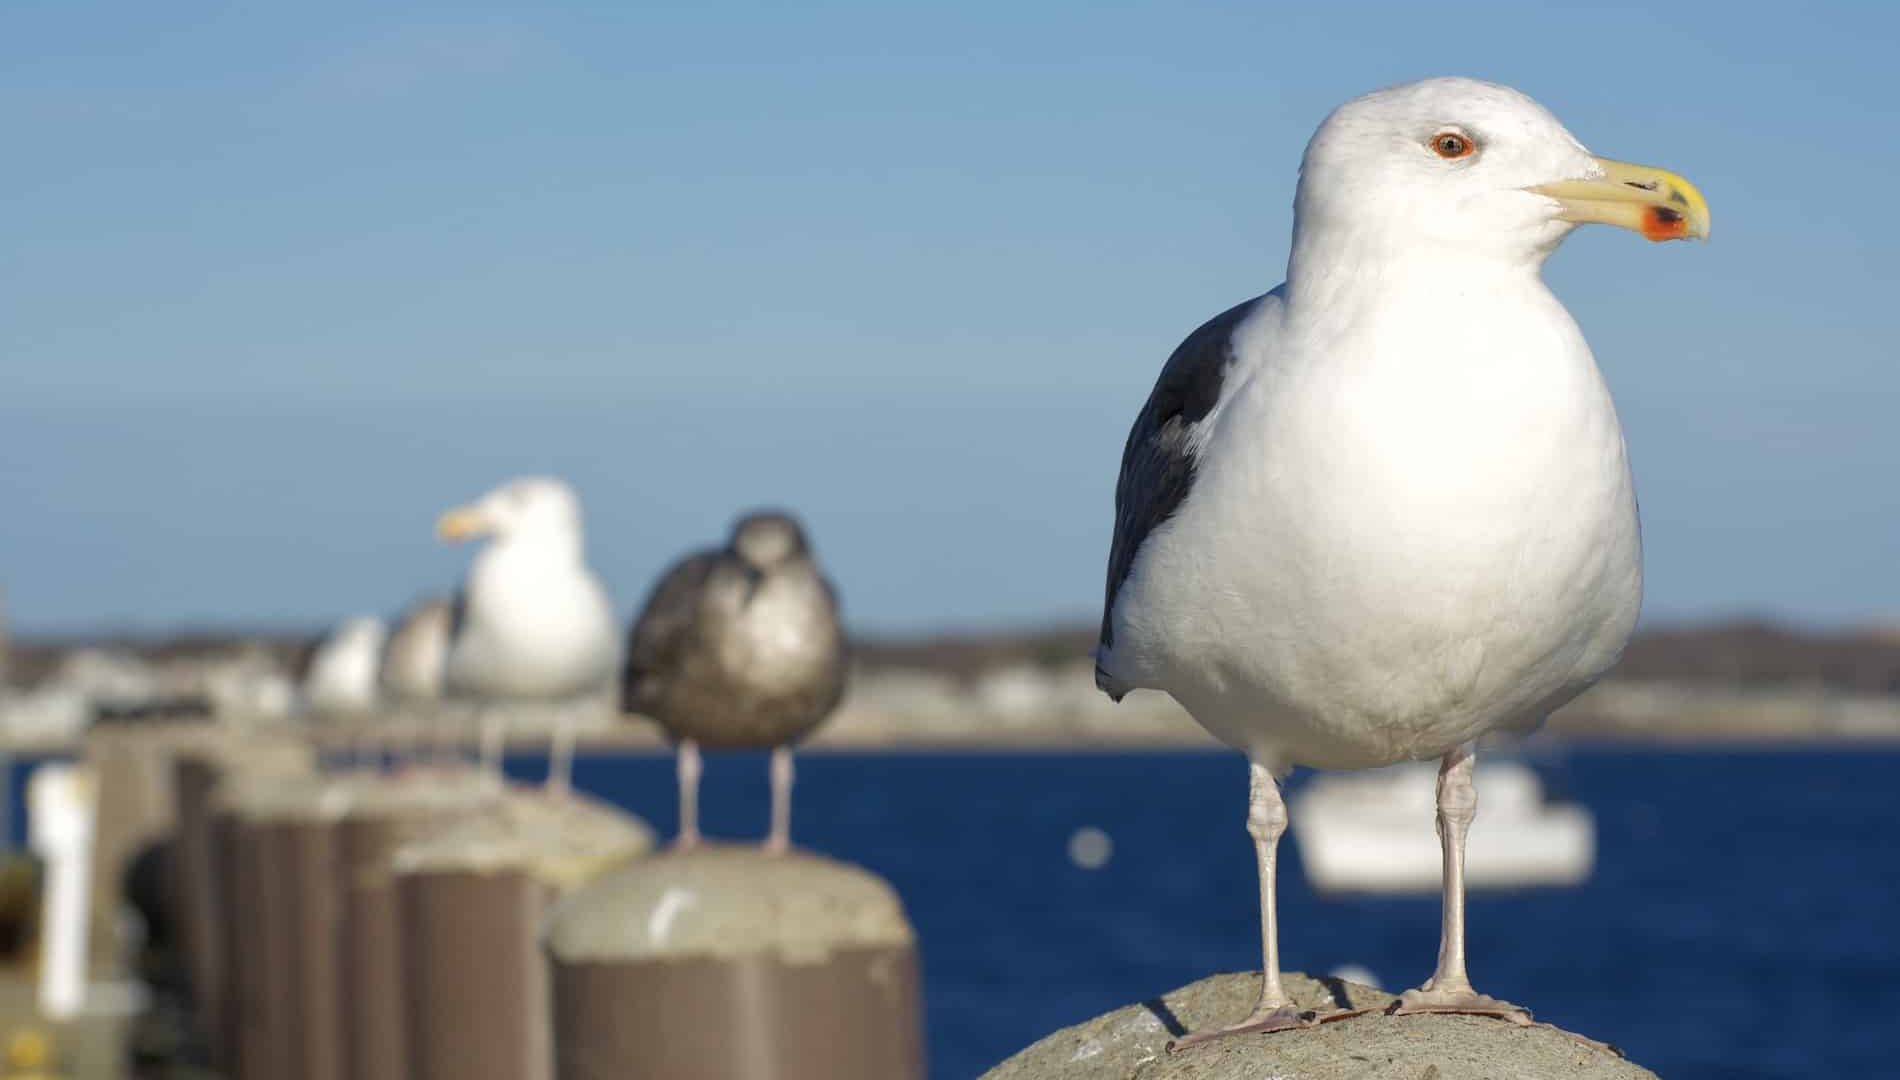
{"x":248,"y":899}
{"x":473,"y":897}
{"x":727,"y":963}
{"x":384,"y":818}
{"x":261,"y":1005}
{"x":197,"y":774}
{"x":195,"y":778}
{"x":223,"y":1028}
{"x":311,"y":845}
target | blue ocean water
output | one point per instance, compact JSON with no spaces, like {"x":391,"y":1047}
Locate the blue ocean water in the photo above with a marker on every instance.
{"x":1743,"y":920}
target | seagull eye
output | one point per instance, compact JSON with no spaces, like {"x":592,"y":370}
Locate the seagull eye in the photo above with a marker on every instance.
{"x":1450,"y":145}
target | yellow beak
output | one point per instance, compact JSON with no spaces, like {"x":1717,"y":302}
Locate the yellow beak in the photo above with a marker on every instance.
{"x":461,"y":523}
{"x":1655,"y":202}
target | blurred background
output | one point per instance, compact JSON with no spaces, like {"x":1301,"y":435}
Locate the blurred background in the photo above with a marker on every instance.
{"x":281,"y":286}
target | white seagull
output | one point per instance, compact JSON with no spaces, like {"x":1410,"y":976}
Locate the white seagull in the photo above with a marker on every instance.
{"x":1386,"y":508}
{"x":417,"y":652}
{"x":341,"y":679}
{"x":533,"y":623}
{"x":414,"y":659}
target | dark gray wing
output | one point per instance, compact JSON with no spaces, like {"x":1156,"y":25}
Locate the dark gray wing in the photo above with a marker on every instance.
{"x":841,"y":662}
{"x":458,"y":613}
{"x":667,"y":628}
{"x":1157,"y":468}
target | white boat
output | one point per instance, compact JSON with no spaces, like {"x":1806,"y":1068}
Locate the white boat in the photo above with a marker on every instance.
{"x":1375,"y":832}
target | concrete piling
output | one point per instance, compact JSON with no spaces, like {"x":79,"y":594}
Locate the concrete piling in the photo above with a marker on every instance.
{"x":729,"y":963}
{"x":198,"y":772}
{"x":472,"y":898}
{"x":435,"y":924}
{"x":382,"y":819}
{"x":261,"y":991}
{"x":1132,"y":1042}
{"x":310,"y":851}
{"x":195,"y":779}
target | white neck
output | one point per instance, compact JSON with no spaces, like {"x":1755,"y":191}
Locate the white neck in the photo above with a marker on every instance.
{"x":1346,"y":278}
{"x":550,"y":545}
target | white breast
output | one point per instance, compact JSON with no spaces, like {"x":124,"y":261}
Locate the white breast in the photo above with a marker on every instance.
{"x":534,"y":628}
{"x":1422,"y":533}
{"x":787,"y":631}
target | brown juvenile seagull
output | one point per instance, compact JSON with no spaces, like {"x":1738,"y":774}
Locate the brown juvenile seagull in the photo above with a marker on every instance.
{"x":1385,"y":508}
{"x":739,"y":647}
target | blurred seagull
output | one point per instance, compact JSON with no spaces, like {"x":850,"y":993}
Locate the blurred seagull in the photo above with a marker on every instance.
{"x":417,"y":652}
{"x":414,"y":660}
{"x":1386,"y":508}
{"x":534,"y":624}
{"x":341,"y":678}
{"x":738,"y":647}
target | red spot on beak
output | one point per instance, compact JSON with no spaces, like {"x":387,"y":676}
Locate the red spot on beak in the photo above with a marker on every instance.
{"x":1662,"y":223}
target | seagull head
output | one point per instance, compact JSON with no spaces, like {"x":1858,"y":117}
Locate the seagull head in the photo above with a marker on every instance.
{"x":768,"y":538}
{"x":1463,"y":165}
{"x":527,"y":509}
{"x":364,"y":632}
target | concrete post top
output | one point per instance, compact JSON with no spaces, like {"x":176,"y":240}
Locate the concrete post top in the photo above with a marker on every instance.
{"x":286,"y":792}
{"x":271,"y":788}
{"x":1131,"y":1041}
{"x":421,"y":793}
{"x":563,"y":841}
{"x":224,"y":750}
{"x":719,"y":900}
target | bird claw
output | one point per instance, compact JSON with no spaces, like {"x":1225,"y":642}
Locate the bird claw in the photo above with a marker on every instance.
{"x":1458,"y":1002}
{"x":1472,"y":1003}
{"x":1284,"y":1018}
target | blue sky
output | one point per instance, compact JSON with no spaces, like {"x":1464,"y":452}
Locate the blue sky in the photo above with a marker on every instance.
{"x":277,"y":286}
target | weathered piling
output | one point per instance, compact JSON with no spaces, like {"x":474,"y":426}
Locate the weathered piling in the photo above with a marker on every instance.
{"x":222,"y":1026}
{"x":310,"y":853}
{"x":1133,"y":1042}
{"x":729,"y":963}
{"x":473,"y":897}
{"x":197,"y":774}
{"x":195,"y":779}
{"x":260,"y":1003}
{"x":381,"y":820}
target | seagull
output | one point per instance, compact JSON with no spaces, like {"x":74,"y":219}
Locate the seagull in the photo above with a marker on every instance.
{"x":341,"y":678}
{"x":417,"y":650}
{"x":414,"y":659}
{"x":739,"y":646}
{"x":1386,"y":508}
{"x":534,"y":624}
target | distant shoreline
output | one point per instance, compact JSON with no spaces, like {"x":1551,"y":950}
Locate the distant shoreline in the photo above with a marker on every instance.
{"x":1755,"y":653}
{"x":1628,"y":714}
{"x":1738,"y":683}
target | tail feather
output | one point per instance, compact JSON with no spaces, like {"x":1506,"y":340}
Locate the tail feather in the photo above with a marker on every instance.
{"x":1108,"y":684}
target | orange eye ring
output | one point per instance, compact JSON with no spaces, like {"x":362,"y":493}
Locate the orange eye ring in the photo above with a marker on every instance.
{"x":1452,"y":145}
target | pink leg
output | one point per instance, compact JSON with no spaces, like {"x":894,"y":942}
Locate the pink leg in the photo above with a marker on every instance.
{"x":689,"y":766}
{"x":779,"y":840}
{"x":1275,"y":1011}
{"x":1449,"y":989}
{"x":560,"y":756}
